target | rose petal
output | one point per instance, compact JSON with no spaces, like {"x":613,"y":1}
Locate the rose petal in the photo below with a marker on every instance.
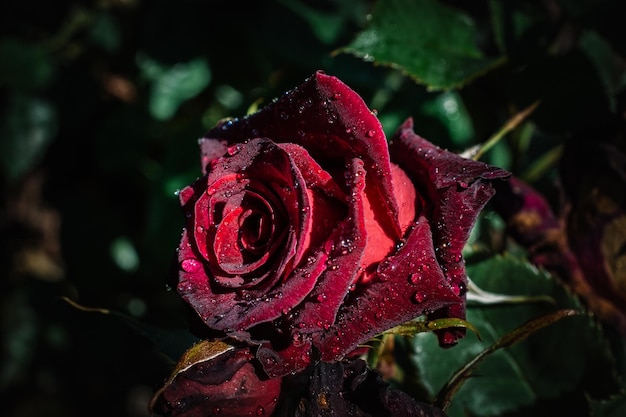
{"x":341,"y":258}
{"x":455,"y":190}
{"x":406,"y":285}
{"x":332,"y":122}
{"x":225,"y":383}
{"x":232,"y":310}
{"x":379,"y":242}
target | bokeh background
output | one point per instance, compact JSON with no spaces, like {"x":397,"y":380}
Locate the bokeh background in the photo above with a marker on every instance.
{"x":101,"y":106}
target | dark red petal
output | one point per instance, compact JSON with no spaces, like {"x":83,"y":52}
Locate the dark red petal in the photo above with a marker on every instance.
{"x":210,"y":150}
{"x":315,"y":177}
{"x":227,"y":385}
{"x":293,"y":358}
{"x":341,"y":257}
{"x":220,"y":306}
{"x":408,"y":284}
{"x":344,"y":249}
{"x":454,"y":190}
{"x":331,"y":121}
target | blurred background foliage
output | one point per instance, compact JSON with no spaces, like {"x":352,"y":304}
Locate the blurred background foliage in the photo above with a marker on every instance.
{"x":101,"y":104}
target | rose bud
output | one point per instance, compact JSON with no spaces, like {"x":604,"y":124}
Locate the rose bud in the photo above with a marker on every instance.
{"x":216,"y":378}
{"x":307,"y":230}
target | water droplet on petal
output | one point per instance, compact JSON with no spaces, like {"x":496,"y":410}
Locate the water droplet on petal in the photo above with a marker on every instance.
{"x":190,"y":265}
{"x":233,"y":150}
{"x":419,"y":297}
{"x":459,"y":289}
{"x":370,"y":133}
{"x":448,"y":339}
{"x":415,"y":278}
{"x":216,"y":410}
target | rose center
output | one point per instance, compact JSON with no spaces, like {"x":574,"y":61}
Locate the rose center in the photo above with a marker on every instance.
{"x":255,"y":230}
{"x":245,"y":236}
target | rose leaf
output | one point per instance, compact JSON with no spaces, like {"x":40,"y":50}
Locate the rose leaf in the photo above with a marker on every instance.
{"x":573,"y":356}
{"x":439,"y":52}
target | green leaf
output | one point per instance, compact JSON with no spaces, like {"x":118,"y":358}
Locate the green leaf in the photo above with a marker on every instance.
{"x":327,"y":27}
{"x":27,"y":128}
{"x":610,"y":70}
{"x":569,"y":355}
{"x":431,"y":42}
{"x":450,"y":110}
{"x":521,"y":333}
{"x":173,"y":85}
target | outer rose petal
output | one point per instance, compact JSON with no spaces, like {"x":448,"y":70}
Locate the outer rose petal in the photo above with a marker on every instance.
{"x":454,"y":190}
{"x":226,"y":384}
{"x":331,"y":121}
{"x":407,"y":285}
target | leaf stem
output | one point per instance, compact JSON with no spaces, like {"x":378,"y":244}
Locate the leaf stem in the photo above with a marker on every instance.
{"x":511,"y":124}
{"x":444,"y":397}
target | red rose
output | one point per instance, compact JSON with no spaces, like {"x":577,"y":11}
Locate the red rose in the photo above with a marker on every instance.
{"x":305,"y":234}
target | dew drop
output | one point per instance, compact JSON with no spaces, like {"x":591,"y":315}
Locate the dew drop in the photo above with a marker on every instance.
{"x":185,"y":287}
{"x":415,"y":278}
{"x":336,"y":96}
{"x":448,"y":339}
{"x":233,"y":150}
{"x":457,"y":257}
{"x":459,"y":289}
{"x":216,"y":410}
{"x":190,"y":265}
{"x":370,"y":133}
{"x":419,"y":297}
{"x":180,"y":404}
